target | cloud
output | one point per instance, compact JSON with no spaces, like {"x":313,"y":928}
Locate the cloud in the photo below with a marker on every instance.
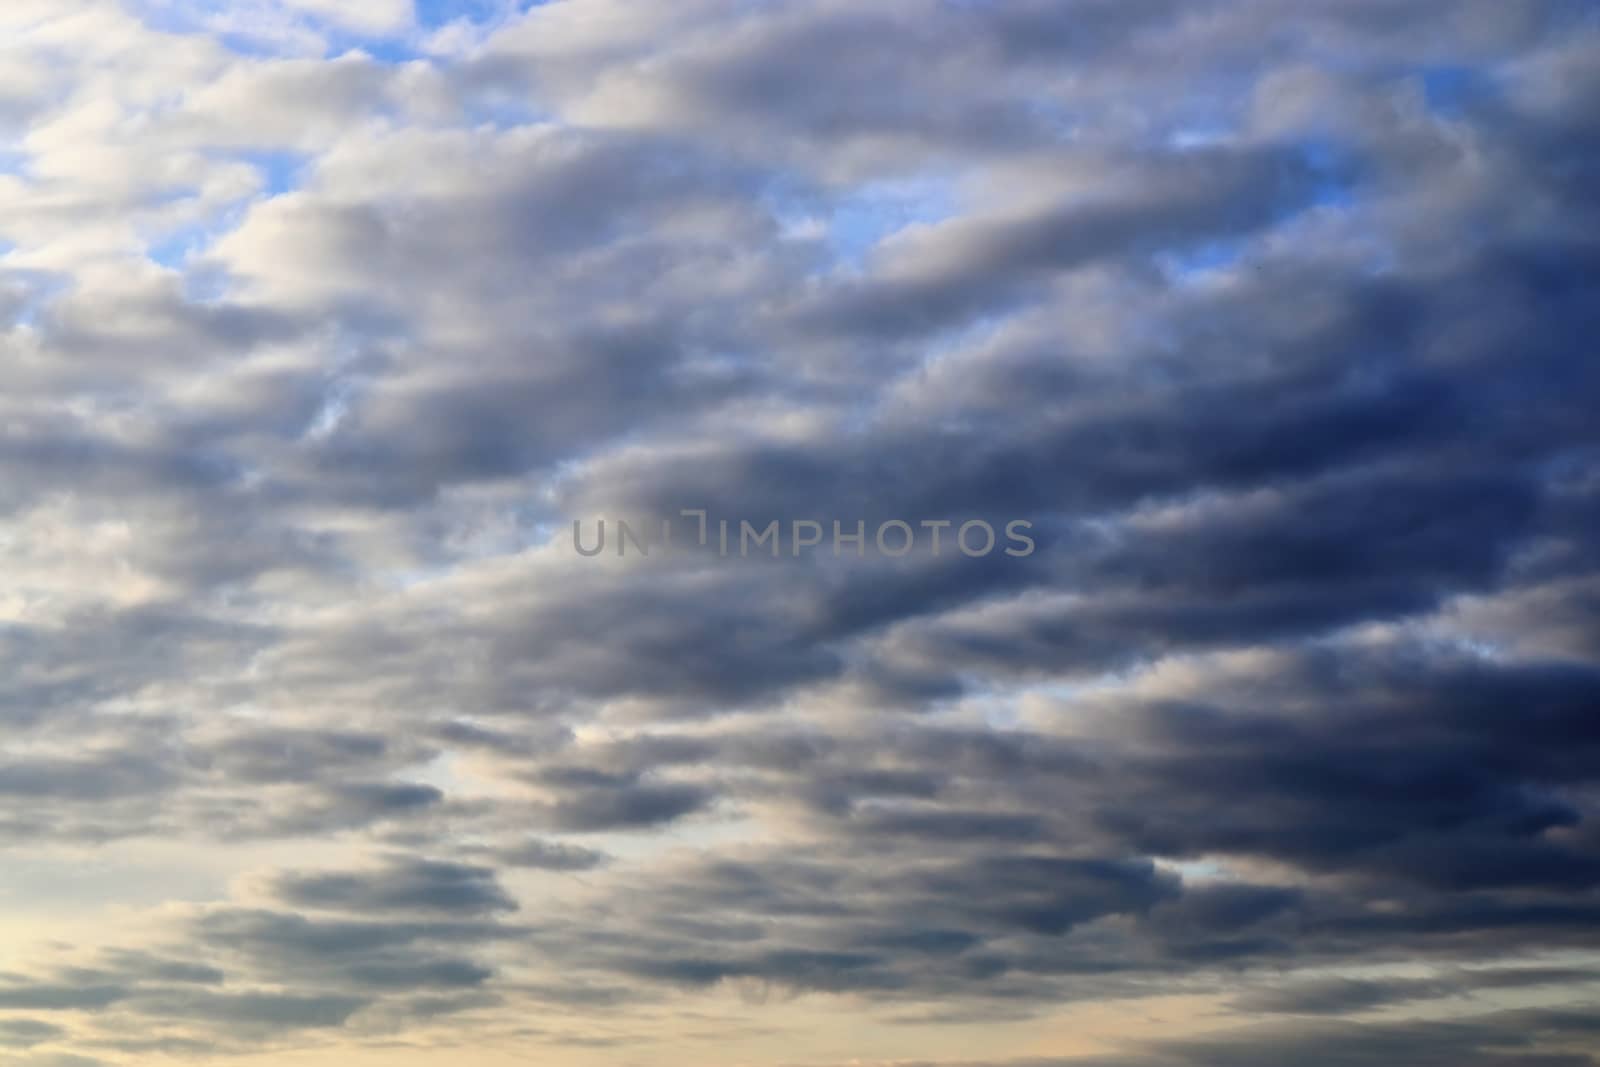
{"x":1348,"y":995}
{"x":321,"y":327}
{"x":404,"y":885}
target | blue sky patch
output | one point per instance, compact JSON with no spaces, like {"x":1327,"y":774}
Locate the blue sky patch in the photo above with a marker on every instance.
{"x":1451,"y":90}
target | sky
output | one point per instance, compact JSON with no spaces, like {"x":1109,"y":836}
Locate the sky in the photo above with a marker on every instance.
{"x":1271,"y":322}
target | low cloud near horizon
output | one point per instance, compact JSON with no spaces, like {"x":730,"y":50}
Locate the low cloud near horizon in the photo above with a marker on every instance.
{"x":321,"y":322}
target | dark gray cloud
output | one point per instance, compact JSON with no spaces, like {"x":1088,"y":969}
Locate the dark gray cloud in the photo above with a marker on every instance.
{"x":267,"y":1013}
{"x":1514,"y":1038}
{"x":1342,"y":996}
{"x":1505,"y":1039}
{"x":538,"y":854}
{"x":402,"y":885}
{"x":25,"y":1033}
